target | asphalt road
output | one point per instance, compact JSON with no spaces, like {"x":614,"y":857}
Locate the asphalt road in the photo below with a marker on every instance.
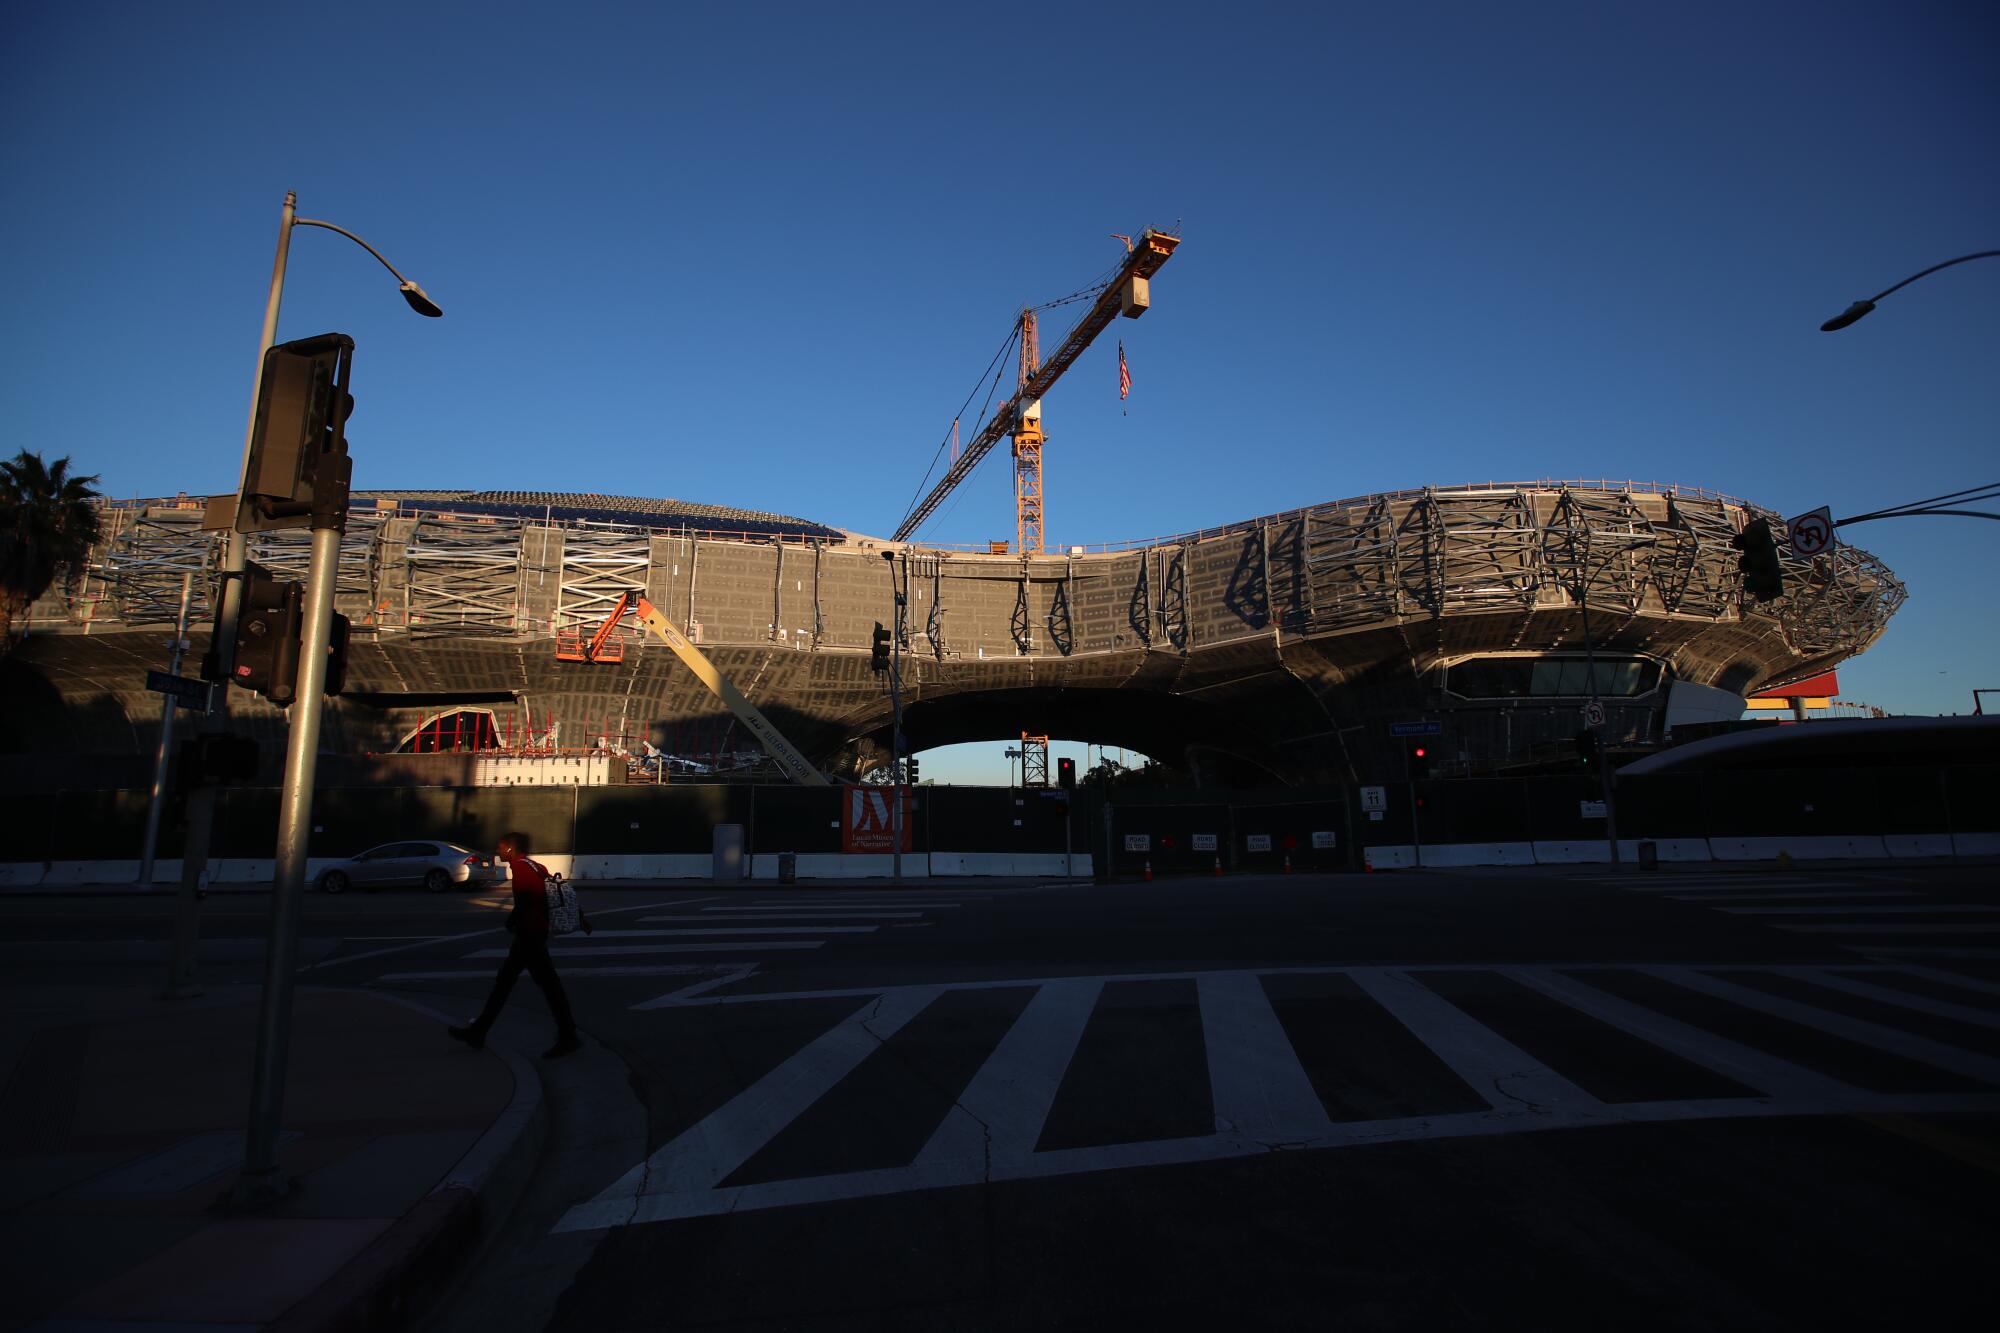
{"x":1693,"y":1099}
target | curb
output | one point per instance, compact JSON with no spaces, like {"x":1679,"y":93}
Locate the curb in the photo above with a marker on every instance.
{"x":412,"y":1262}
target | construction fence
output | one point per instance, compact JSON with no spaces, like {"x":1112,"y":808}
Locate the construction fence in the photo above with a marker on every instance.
{"x":669,"y":831}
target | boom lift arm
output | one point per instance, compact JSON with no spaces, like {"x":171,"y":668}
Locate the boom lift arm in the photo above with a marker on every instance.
{"x":1126,"y":293}
{"x":796,"y":766}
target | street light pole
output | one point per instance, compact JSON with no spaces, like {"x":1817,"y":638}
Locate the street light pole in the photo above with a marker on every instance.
{"x":1861,"y":308}
{"x":261,"y":1181}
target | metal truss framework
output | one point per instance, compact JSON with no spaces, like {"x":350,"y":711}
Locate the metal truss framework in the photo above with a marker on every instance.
{"x":1442,"y":552}
{"x":1525,"y":548}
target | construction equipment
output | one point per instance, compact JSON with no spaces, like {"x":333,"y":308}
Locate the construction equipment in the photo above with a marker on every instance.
{"x":795,"y":765}
{"x":1126,"y":292}
{"x":570,"y":646}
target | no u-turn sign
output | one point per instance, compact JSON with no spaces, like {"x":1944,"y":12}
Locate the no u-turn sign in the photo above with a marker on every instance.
{"x":1812,"y":533}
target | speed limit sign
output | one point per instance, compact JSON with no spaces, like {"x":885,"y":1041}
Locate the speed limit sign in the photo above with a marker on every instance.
{"x":1812,"y":533}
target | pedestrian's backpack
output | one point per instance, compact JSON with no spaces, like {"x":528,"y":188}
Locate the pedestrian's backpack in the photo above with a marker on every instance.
{"x":564,"y":914}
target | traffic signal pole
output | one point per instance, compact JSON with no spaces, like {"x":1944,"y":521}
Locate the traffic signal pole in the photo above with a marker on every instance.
{"x":261,"y":1180}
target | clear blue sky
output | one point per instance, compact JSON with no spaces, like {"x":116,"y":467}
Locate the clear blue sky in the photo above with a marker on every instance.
{"x":758,"y":254}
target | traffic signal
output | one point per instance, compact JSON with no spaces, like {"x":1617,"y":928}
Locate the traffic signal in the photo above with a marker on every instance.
{"x":1418,"y":754}
{"x":910,"y":770}
{"x":1586,"y":748}
{"x":879,"y":657}
{"x":336,"y":657}
{"x":298,"y":466}
{"x":1066,"y":772}
{"x":267,"y":637}
{"x":1763,"y":577}
{"x":218,"y":757}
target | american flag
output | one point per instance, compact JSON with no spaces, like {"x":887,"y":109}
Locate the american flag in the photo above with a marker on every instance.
{"x":1124,"y":375}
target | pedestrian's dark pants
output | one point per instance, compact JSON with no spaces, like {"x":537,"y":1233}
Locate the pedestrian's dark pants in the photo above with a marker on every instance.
{"x":531,"y":956}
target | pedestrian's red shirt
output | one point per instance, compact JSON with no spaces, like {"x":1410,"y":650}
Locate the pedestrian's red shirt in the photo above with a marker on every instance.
{"x":531,"y":898}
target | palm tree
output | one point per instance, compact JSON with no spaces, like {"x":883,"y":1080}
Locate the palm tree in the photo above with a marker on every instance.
{"x":47,"y":527}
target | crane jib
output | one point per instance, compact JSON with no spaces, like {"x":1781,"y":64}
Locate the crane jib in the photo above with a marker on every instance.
{"x":1152,"y":250}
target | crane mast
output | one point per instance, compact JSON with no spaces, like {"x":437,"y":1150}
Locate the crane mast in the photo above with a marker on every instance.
{"x":1028,"y":446}
{"x":1127,"y":293}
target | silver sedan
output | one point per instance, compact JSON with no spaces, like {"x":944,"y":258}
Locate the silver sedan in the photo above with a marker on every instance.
{"x":437,"y":866}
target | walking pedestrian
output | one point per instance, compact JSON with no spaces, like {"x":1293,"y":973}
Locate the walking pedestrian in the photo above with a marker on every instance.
{"x":529,"y":922}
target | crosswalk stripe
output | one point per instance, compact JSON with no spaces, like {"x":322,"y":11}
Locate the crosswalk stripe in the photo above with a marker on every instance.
{"x":1899,"y":928}
{"x":705,"y":1153}
{"x":1501,"y":1072}
{"x":719,"y":946}
{"x":798,"y":916}
{"x":1780,"y":897}
{"x":1261,"y":1091}
{"x":1896,"y":1042}
{"x":830,"y":907}
{"x":1747,"y":1065}
{"x":629,"y":970}
{"x":1857,"y":909}
{"x":732,"y":930}
{"x":1923,"y":1004}
{"x":999,"y":1116}
{"x":1948,"y":977}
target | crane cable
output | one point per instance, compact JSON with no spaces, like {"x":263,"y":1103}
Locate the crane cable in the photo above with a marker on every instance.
{"x":1006,"y":345}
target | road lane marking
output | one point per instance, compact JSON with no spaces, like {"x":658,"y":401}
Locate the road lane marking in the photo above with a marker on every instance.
{"x":1898,"y":928}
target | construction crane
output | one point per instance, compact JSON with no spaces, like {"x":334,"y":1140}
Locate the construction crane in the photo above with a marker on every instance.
{"x":1126,"y":292}
{"x":796,"y":766}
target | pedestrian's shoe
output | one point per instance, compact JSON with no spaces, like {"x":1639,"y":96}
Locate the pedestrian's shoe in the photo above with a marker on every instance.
{"x":471,"y":1036}
{"x":567,"y":1045}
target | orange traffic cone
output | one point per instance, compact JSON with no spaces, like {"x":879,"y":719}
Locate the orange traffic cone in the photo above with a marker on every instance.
{"x":1149,"y":872}
{"x":1218,"y":865}
{"x":1288,"y":863}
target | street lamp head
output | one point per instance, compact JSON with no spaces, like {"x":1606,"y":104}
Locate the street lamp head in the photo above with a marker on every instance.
{"x":1847,"y":316}
{"x":421,"y":302}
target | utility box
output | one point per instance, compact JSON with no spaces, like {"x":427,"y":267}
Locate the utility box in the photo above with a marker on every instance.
{"x":727,"y":849}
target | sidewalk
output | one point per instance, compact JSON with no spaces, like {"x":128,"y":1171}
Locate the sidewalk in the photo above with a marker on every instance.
{"x":121,"y":1125}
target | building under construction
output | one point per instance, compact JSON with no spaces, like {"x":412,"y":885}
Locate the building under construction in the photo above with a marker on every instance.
{"x":1297,"y":647}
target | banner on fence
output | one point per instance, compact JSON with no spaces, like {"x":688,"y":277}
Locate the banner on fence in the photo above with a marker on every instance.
{"x":867,"y":819}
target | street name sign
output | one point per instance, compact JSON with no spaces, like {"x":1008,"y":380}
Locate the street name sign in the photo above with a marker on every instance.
{"x":1414,"y":728}
{"x":1812,"y":533}
{"x":194,"y":694}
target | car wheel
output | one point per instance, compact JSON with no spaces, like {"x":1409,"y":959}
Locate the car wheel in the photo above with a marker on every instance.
{"x":437,"y":881}
{"x":333,"y":882}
